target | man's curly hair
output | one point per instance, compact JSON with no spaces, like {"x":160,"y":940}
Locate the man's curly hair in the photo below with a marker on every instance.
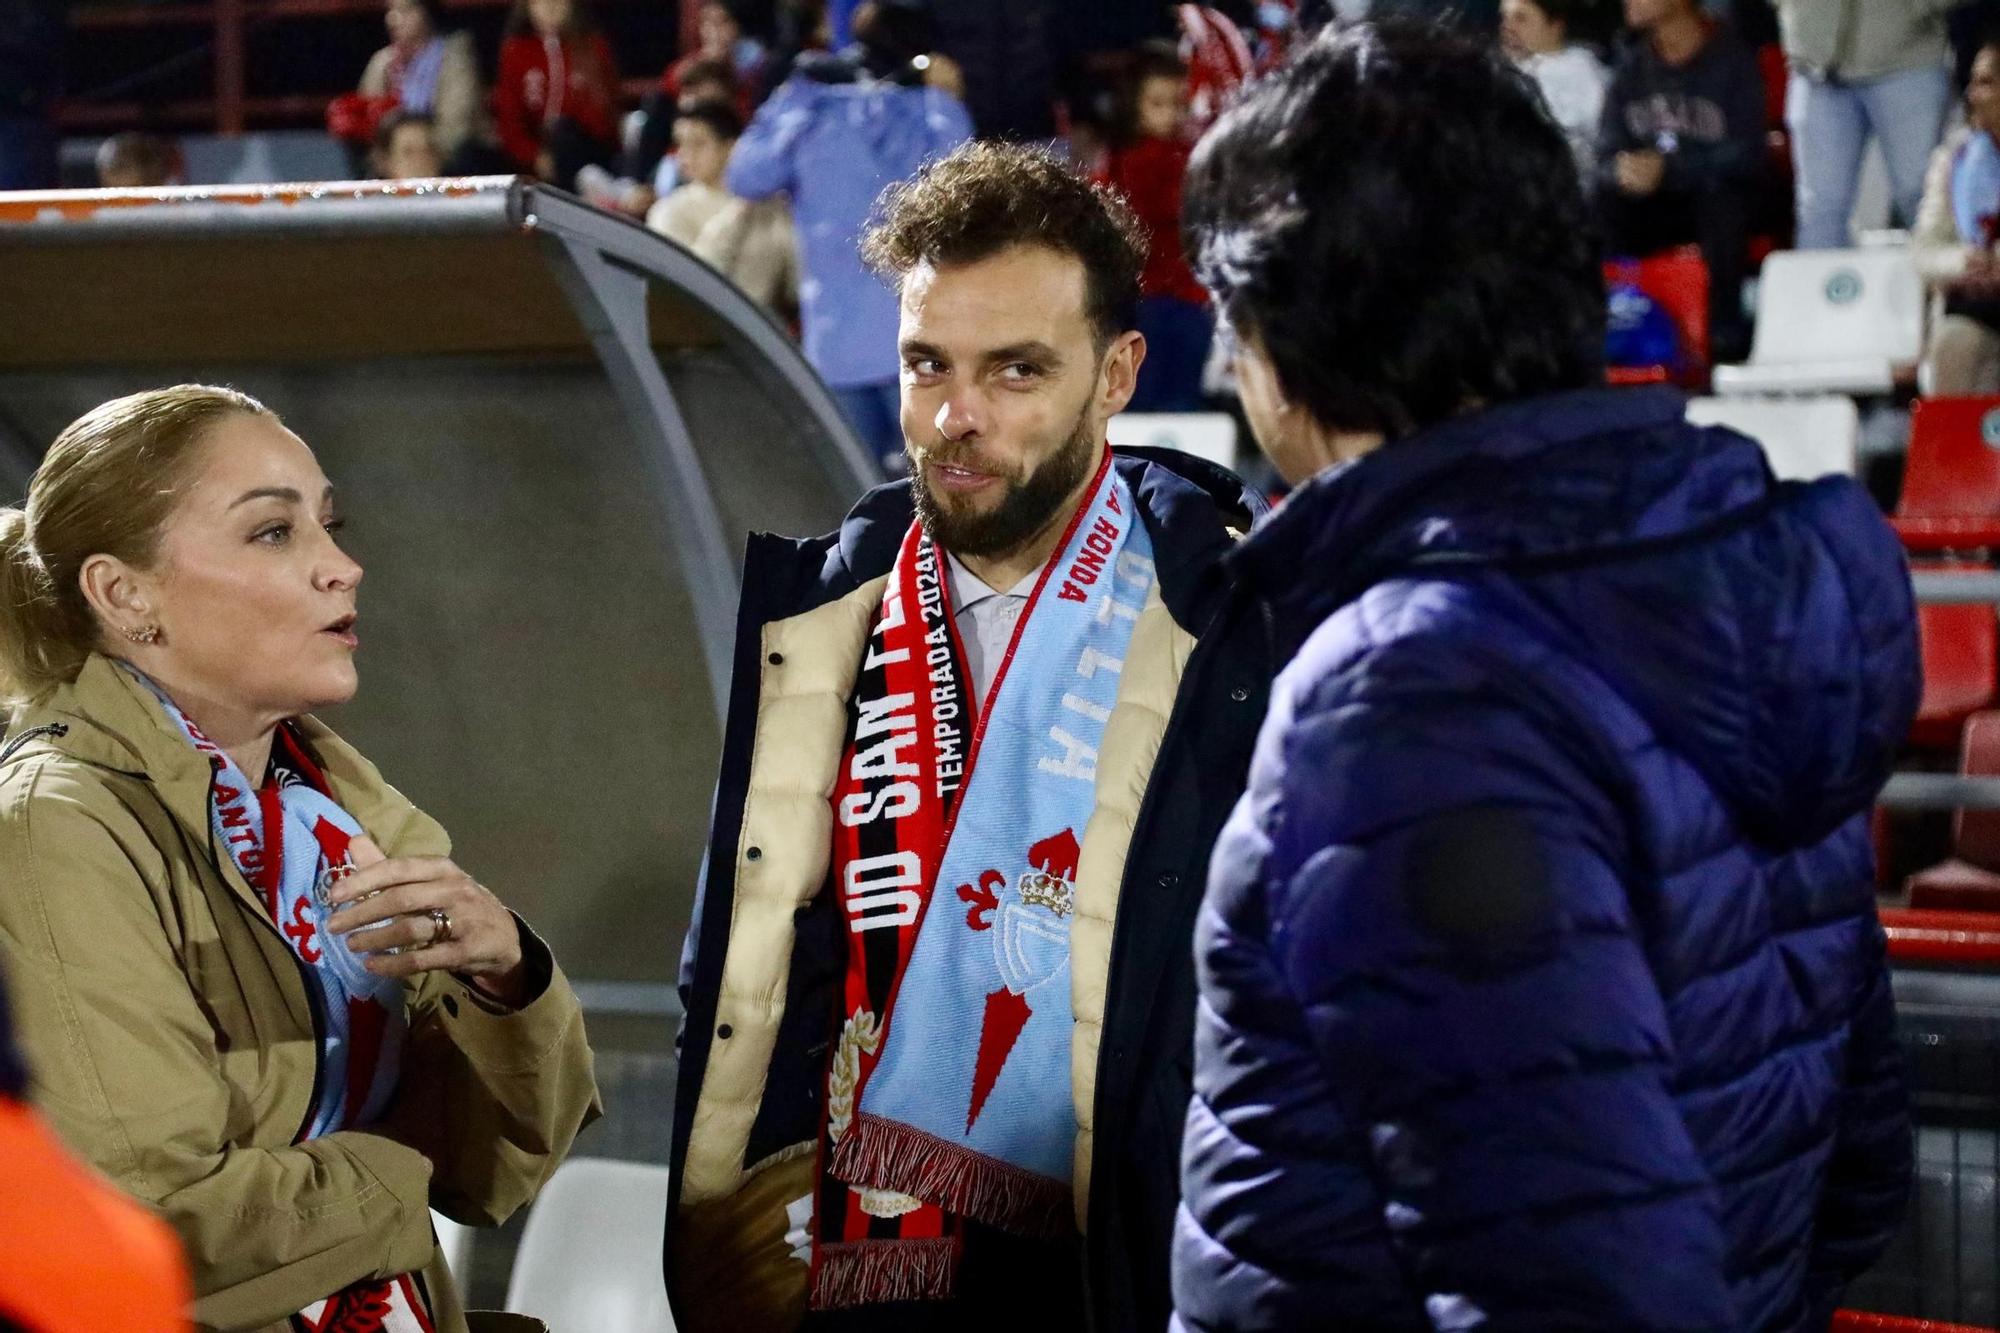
{"x":983,"y":198}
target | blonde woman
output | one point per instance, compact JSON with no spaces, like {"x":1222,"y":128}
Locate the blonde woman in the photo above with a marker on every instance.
{"x":252,"y":986}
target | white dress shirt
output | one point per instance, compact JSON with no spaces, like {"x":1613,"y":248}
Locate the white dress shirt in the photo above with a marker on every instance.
{"x":986,"y":619}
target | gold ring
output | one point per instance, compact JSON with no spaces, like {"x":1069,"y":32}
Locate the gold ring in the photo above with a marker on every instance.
{"x":442,"y":922}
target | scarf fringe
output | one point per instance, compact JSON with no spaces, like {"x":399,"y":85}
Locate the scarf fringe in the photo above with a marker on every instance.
{"x":888,"y":1155}
{"x":869,"y":1272}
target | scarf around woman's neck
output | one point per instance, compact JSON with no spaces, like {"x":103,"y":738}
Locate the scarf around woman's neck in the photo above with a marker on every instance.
{"x":948,"y":1091}
{"x":1975,"y":189}
{"x":415,"y":76}
{"x":290,"y":840}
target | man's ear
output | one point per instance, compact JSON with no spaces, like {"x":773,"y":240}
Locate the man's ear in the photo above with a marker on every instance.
{"x":1120,"y":377}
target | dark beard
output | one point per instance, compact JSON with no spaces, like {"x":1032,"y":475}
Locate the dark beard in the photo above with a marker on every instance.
{"x":1027,"y":508}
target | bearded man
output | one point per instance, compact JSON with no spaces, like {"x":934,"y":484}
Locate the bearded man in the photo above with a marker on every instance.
{"x":938,"y":989}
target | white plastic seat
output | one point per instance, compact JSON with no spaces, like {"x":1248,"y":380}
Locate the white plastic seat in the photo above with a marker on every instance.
{"x":1802,"y":437}
{"x":1207,"y":435}
{"x":590,"y":1256}
{"x":1832,"y":321}
{"x":455,"y":1239}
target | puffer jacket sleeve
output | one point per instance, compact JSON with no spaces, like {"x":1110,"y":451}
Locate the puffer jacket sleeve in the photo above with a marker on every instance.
{"x":1431,"y":1064}
{"x":123,"y":1059}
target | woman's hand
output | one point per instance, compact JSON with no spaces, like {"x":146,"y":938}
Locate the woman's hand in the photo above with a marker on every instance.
{"x":484,"y":945}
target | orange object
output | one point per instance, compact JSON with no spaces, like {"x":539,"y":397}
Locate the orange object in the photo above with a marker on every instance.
{"x":1951,"y":483}
{"x":75,"y":1255}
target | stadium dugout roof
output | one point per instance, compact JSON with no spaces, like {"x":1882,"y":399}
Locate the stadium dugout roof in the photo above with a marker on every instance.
{"x":551,"y":430}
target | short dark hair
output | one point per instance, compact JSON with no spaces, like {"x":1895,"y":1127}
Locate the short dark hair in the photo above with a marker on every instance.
{"x":153,"y":158}
{"x":708,"y":70}
{"x":1564,"y":12}
{"x":1397,"y":220}
{"x":983,"y":198}
{"x":720,"y":117}
{"x":1158,"y":59}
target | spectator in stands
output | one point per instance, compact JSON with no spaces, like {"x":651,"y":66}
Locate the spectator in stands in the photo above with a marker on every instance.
{"x":1536,"y":33}
{"x":136,"y":160}
{"x":406,"y":147}
{"x":649,"y":150}
{"x":704,"y":136}
{"x":1218,"y":60}
{"x":1541,"y":981}
{"x":756,"y":247}
{"x":723,"y":42}
{"x":427,"y":71}
{"x":1958,"y":224}
{"x":832,"y":137}
{"x":80,"y":1258}
{"x":1682,"y":150}
{"x":557,"y":98}
{"x":252,"y":987}
{"x":1147,"y":168}
{"x":1861,"y":68}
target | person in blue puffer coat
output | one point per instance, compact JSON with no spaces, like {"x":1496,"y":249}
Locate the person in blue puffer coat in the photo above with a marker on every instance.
{"x":831,"y":138}
{"x":1541,"y":981}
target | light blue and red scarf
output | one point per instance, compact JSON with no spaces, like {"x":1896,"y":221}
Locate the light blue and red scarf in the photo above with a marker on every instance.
{"x":290,"y":839}
{"x":948,"y":1091}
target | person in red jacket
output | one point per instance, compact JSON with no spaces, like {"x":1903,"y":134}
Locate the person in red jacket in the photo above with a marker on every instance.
{"x":1147,"y":169}
{"x":555,"y":103}
{"x":76,"y":1256}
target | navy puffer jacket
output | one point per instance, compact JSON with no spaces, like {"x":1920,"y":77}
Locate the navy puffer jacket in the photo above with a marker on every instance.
{"x":1541,"y":981}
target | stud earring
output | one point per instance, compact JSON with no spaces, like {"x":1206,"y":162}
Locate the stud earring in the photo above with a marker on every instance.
{"x":148,"y":634}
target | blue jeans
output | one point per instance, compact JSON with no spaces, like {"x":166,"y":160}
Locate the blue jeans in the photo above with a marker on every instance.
{"x":876,"y":413}
{"x":1177,"y":337}
{"x":1830,"y":126}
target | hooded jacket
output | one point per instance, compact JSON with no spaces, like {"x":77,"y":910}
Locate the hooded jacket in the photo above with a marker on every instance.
{"x":832,"y":147}
{"x":173,"y":1041}
{"x":762,"y":966}
{"x":1542,"y":985}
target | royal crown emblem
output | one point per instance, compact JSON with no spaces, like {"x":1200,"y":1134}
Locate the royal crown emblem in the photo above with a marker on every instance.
{"x":1041,"y":889}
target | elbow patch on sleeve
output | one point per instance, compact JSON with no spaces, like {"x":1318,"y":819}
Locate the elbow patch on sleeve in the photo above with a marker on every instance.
{"x":1478,"y":880}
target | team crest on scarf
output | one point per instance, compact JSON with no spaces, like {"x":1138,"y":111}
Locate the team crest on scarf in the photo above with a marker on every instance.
{"x":291,"y":841}
{"x":948,"y":1089}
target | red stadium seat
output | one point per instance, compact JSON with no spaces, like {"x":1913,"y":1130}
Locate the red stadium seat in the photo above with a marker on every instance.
{"x":1951,"y":483}
{"x":1853,"y":1321}
{"x":1970,"y":880}
{"x":1961,"y":656}
{"x":1678,"y":280}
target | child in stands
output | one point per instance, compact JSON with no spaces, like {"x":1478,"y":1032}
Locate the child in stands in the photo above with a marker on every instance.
{"x":556,"y":100}
{"x":1147,"y":169}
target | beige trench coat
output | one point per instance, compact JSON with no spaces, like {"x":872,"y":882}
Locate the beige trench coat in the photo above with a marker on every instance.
{"x":171,"y":1041}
